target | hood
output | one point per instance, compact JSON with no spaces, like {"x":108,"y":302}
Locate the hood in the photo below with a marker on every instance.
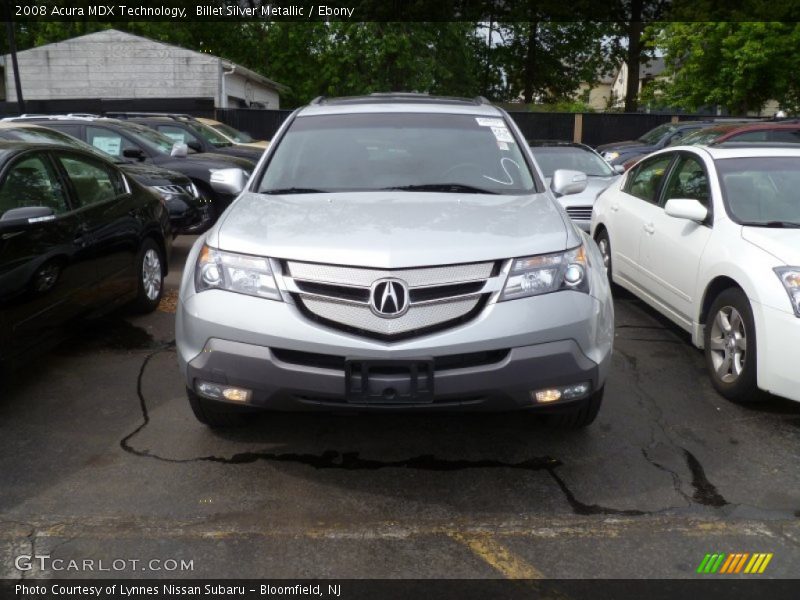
{"x":594,"y":187}
{"x":148,"y":174}
{"x":626,"y":146}
{"x":392,"y":229}
{"x":213,"y":161}
{"x":783,"y":244}
{"x":252,"y":154}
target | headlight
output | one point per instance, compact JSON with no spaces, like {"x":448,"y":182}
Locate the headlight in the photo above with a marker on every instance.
{"x":251,"y":275}
{"x":610,"y":155}
{"x":545,"y":273}
{"x":790,"y":278}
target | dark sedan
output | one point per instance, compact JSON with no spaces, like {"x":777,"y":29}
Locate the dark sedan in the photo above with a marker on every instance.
{"x":189,"y":211}
{"x":618,"y":153}
{"x":77,"y":238}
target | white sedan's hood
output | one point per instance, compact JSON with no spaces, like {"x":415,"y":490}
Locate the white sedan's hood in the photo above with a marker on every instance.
{"x":391,"y":229}
{"x":784,"y":244}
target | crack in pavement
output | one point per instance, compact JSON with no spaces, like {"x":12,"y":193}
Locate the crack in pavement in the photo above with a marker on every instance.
{"x":332,"y":459}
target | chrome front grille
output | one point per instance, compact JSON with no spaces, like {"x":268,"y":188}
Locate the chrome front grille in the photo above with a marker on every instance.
{"x":439,"y":297}
{"x":580,"y":213}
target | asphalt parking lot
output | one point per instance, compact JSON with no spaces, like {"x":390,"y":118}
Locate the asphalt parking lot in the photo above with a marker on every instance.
{"x":101,"y":459}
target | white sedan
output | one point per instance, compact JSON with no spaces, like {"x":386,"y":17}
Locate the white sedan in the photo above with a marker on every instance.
{"x":710,"y":237}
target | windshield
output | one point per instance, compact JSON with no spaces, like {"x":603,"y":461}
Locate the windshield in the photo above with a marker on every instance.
{"x":360,"y":152}
{"x":148,"y":137}
{"x":654,"y":135}
{"x":761,"y":191}
{"x":702,"y":137}
{"x":209,"y":134}
{"x":43,"y":135}
{"x":240,"y":137}
{"x":551,"y":158}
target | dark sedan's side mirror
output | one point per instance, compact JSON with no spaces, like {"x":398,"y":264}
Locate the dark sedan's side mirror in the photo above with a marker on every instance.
{"x":24,"y":217}
{"x":195,"y":145}
{"x":135,"y":153}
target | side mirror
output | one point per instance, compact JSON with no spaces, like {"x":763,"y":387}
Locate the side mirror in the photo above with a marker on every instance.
{"x":135,"y":153}
{"x":685,"y":208}
{"x":26,"y":216}
{"x":567,"y":182}
{"x":195,"y":145}
{"x":179,"y":150}
{"x":619,"y":169}
{"x":228,"y":181}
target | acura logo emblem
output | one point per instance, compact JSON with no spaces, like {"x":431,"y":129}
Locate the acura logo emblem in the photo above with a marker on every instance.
{"x":389,"y":298}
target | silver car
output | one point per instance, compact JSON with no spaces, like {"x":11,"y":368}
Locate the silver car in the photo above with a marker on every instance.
{"x":553,"y":155}
{"x":396,"y":252}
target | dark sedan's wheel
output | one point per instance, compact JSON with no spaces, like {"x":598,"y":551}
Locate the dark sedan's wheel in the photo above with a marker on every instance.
{"x":730,"y":347}
{"x":604,"y":244}
{"x":214,"y":414}
{"x":579,"y":415}
{"x":150,"y":277}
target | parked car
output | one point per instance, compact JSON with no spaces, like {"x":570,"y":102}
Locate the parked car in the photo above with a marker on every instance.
{"x":396,"y":252}
{"x":189,"y":212}
{"x":122,"y":139}
{"x":233,"y":135}
{"x":766,"y":132}
{"x":78,"y":237}
{"x":190,"y":131}
{"x":619,"y":153}
{"x":710,"y":237}
{"x":552,"y":155}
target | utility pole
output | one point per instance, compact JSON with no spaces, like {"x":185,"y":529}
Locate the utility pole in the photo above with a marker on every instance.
{"x":12,"y":47}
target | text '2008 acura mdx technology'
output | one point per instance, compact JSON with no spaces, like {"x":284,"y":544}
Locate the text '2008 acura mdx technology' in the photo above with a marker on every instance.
{"x":396,"y":252}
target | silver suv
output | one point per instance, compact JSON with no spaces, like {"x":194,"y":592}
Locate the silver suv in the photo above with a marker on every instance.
{"x":396,"y":252}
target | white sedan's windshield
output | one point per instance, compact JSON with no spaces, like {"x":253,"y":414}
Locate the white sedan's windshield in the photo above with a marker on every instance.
{"x":435,"y":152}
{"x":762,"y":191}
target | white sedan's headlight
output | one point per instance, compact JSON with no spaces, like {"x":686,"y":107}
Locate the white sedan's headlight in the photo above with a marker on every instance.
{"x":609,"y":156}
{"x":790,"y":278}
{"x":545,"y":273}
{"x":241,"y":273}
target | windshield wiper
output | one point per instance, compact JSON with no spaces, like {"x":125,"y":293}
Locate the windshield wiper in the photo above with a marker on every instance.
{"x":453,"y":188}
{"x":294,"y":190}
{"x":782,"y":224}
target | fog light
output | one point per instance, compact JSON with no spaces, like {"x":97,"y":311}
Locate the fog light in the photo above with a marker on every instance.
{"x":216,"y":391}
{"x":548,"y":395}
{"x":564,"y":392}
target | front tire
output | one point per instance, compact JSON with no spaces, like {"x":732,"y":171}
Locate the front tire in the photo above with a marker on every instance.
{"x":730,"y":347}
{"x":579,"y":415}
{"x":604,"y":244}
{"x":149,"y":277}
{"x":214,"y":414}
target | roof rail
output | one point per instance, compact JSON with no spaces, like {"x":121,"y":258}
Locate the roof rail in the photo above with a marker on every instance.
{"x":481,"y":100}
{"x":318,"y":100}
{"x":128,"y":114}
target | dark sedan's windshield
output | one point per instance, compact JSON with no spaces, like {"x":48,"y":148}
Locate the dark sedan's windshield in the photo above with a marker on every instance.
{"x":702,"y":137}
{"x":551,"y":158}
{"x":762,"y":191}
{"x":410,"y":151}
{"x":654,"y":135}
{"x":149,"y":137}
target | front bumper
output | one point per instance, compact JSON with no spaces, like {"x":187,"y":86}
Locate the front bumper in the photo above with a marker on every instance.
{"x":778,"y":333}
{"x":534,"y":343}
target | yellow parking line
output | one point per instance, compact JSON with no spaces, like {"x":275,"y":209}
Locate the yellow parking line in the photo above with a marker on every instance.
{"x":497,"y":556}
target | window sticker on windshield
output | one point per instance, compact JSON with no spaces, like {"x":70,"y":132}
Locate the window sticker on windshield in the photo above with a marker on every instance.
{"x":502,"y":134}
{"x":502,"y":145}
{"x":484,"y":122}
{"x":109,"y":145}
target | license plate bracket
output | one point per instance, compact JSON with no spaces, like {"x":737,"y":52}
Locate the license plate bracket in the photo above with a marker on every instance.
{"x":406,"y":381}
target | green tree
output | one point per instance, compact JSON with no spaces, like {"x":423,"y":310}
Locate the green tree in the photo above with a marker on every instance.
{"x":737,"y":65}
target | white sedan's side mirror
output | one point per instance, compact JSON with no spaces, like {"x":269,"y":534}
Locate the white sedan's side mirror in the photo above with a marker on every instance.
{"x":567,"y":182}
{"x":685,"y":208}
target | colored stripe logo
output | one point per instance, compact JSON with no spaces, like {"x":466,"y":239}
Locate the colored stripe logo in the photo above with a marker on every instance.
{"x":728,"y":564}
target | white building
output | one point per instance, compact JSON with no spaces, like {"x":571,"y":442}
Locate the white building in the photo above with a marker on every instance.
{"x":114,"y":64}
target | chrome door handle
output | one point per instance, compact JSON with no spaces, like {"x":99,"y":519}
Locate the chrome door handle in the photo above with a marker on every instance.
{"x":649,"y":228}
{"x":614,"y":207}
